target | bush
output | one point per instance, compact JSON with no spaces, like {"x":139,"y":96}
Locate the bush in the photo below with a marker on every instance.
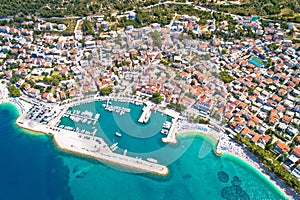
{"x":177,"y":107}
{"x":157,"y":97}
{"x":106,"y":91}
{"x":226,"y":78}
{"x":13,"y":90}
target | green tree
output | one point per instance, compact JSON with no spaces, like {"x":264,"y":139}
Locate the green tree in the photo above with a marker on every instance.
{"x":87,"y":27}
{"x":224,"y":51}
{"x":13,"y":90}
{"x":226,"y":78}
{"x":157,"y":97}
{"x":106,"y":91}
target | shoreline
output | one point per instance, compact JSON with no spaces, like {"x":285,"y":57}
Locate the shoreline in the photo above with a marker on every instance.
{"x":6,"y":101}
{"x":181,"y":134}
{"x":254,"y":164}
{"x":91,"y":147}
{"x":242,"y":154}
{"x":196,"y":133}
{"x":261,"y":173}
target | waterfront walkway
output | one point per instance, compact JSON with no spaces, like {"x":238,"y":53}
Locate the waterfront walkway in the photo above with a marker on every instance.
{"x":91,"y":146}
{"x":96,"y":147}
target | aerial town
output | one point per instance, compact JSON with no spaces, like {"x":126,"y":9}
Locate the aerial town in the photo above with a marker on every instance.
{"x":247,"y":86}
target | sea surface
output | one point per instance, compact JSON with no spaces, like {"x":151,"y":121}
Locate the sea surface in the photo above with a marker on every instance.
{"x":33,"y":168}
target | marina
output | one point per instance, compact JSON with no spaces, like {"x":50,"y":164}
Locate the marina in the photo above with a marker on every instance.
{"x":76,"y":130}
{"x":117,"y":109}
{"x":84,"y":117}
{"x":115,"y":127}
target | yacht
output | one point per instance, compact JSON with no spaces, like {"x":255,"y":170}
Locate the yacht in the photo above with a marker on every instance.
{"x":113,"y":146}
{"x":118,"y":134}
{"x":152,"y":160}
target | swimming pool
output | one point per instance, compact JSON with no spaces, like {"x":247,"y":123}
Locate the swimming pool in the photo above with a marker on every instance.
{"x":256,"y":61}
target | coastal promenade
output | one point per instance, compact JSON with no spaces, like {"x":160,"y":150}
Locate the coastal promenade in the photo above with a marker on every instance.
{"x":90,"y":146}
{"x":201,"y":129}
{"x":89,"y":99}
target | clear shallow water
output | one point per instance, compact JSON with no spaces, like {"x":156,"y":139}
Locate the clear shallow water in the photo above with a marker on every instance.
{"x":32,"y":168}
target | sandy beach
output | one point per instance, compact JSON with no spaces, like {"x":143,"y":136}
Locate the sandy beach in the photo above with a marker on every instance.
{"x":227,"y":146}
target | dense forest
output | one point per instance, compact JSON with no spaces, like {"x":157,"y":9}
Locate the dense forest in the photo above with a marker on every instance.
{"x":277,"y":9}
{"x":44,"y":8}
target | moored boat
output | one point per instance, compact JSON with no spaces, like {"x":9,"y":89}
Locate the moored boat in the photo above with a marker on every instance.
{"x":118,"y":134}
{"x":114,"y":145}
{"x":152,"y":160}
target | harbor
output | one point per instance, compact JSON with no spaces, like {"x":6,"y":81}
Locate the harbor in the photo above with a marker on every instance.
{"x":80,"y":136}
{"x":121,"y":126}
{"x":247,"y":180}
{"x":91,"y":146}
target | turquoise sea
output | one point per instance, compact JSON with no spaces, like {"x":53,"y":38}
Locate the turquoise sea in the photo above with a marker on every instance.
{"x":33,"y":168}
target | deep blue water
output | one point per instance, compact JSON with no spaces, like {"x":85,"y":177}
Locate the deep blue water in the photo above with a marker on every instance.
{"x":32,"y":168}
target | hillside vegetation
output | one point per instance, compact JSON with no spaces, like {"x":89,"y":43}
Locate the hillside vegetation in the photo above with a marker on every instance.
{"x":277,"y":9}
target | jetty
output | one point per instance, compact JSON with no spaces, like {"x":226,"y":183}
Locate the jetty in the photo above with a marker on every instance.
{"x":171,"y":137}
{"x":96,"y":147}
{"x":145,"y":116}
{"x":91,"y":146}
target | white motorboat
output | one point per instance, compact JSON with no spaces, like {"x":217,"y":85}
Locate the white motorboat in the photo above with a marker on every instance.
{"x":118,"y":134}
{"x":114,"y":145}
{"x":152,"y":160}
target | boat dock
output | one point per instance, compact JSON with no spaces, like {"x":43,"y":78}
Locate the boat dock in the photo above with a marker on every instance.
{"x":117,"y":109}
{"x":145,"y":116}
{"x":91,"y":146}
{"x":84,"y":117}
{"x":171,"y":137}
